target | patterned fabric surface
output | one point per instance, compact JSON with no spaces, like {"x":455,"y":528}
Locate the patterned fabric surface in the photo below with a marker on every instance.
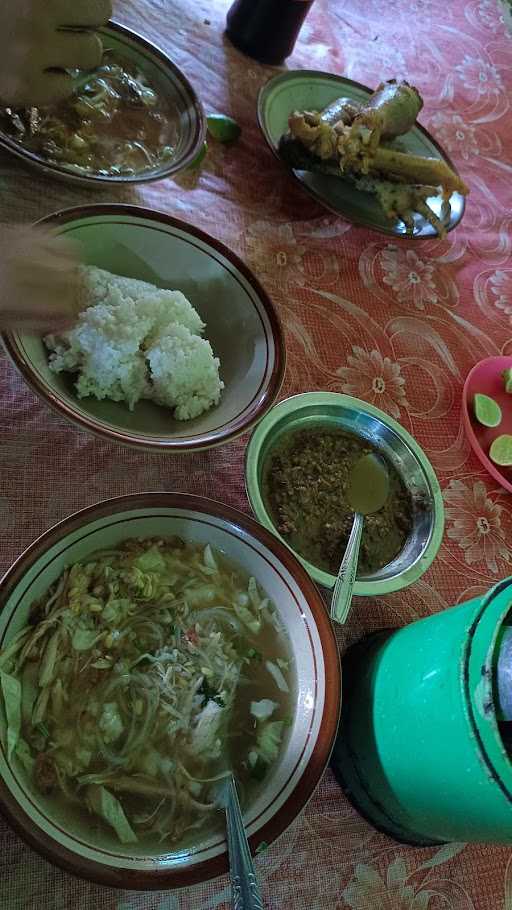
{"x":398,"y":324}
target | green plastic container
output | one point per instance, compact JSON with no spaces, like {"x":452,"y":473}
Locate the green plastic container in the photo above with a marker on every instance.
{"x":420,"y":750}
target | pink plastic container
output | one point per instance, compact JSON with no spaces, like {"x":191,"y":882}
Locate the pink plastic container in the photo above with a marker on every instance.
{"x":486,"y":378}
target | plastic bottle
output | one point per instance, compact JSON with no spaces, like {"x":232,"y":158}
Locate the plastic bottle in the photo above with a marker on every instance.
{"x":266,"y":29}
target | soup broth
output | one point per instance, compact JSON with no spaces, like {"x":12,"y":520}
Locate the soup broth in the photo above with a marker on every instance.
{"x":145,"y":676}
{"x":115,"y":124}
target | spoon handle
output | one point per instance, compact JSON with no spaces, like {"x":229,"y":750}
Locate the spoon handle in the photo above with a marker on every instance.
{"x":245,"y":890}
{"x":342,"y":593}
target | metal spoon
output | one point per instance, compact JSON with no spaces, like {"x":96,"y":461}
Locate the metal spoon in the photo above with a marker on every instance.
{"x":368,"y":489}
{"x":245,"y":892}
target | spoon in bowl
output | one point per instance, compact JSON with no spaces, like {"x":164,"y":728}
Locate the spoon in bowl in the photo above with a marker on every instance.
{"x":368,"y":489}
{"x":245,"y":892}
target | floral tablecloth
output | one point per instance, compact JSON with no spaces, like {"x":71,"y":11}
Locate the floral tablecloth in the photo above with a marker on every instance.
{"x":398,"y":324}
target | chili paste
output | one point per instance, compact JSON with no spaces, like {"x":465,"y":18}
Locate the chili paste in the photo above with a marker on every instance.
{"x":305,"y":486}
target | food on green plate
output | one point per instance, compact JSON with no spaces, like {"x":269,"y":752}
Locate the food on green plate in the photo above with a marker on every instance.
{"x":116,"y":124}
{"x":507,"y":379}
{"x":358,"y":142}
{"x":501,"y":450}
{"x":487,"y":410}
{"x":135,"y":341}
{"x":223,"y":128}
{"x":305,"y":483}
{"x":389,"y":112}
{"x":144,"y":675}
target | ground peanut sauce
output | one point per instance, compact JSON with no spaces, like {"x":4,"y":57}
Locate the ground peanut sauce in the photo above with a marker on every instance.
{"x":305,"y":482}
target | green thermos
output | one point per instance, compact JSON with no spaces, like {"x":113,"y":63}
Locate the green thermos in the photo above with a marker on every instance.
{"x":425,"y":743}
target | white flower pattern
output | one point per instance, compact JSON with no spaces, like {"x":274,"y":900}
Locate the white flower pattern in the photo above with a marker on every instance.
{"x":501,"y":287}
{"x":374,"y":378}
{"x":275,"y":254}
{"x":476,"y":524}
{"x":455,"y":135}
{"x":409,"y":276}
{"x":479,"y":76}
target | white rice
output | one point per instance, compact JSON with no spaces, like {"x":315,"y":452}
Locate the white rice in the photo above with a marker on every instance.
{"x":133,"y":341}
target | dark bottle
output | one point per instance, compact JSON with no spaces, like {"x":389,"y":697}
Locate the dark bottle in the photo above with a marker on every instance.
{"x":266,"y":29}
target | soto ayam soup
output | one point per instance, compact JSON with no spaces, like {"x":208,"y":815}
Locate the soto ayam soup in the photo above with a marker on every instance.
{"x":143,"y":677}
{"x":115,"y":124}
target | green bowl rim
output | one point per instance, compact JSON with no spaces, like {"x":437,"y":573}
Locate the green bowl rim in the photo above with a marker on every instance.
{"x":361,"y":588}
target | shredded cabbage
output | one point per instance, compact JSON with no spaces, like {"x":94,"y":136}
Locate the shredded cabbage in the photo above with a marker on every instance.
{"x":11,"y":692}
{"x":137,"y":685}
{"x":263,"y":709}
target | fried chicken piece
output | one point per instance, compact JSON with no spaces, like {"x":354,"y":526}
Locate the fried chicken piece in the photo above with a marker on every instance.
{"x":402,"y":200}
{"x":329,"y":143}
{"x":418,"y":170}
{"x":390,"y":111}
{"x":318,"y":137}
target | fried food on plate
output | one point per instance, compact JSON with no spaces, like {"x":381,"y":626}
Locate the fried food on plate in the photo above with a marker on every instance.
{"x":354,"y":140}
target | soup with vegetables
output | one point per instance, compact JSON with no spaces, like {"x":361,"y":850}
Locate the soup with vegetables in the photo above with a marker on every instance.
{"x":115,"y":124}
{"x":143,"y":677}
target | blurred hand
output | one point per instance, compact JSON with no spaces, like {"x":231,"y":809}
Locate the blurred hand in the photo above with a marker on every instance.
{"x":40,"y":39}
{"x":38,"y":280}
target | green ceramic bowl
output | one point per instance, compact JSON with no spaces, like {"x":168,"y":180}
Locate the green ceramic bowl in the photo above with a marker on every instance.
{"x":399,"y":448}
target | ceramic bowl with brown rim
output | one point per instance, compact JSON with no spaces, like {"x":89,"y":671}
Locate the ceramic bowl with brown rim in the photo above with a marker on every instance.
{"x":241,"y":325}
{"x":73,"y":841}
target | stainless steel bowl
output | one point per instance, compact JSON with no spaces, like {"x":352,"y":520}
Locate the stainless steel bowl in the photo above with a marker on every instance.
{"x":399,"y":448}
{"x":171,"y":84}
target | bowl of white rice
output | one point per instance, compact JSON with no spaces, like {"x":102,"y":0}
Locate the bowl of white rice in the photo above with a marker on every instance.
{"x":176,"y":345}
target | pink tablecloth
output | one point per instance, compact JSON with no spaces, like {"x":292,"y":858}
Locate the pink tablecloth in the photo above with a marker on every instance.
{"x":397,"y":324}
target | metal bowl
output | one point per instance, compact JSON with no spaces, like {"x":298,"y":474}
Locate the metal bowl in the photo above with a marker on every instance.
{"x":170,"y":83}
{"x":398,"y":447}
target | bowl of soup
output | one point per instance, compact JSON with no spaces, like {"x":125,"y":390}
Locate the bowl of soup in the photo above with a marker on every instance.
{"x":135,"y":119}
{"x":149,"y":645}
{"x":298,"y":463}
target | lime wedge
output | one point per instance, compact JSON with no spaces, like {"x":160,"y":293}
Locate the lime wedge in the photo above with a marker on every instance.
{"x":223,"y":128}
{"x":507,"y":379}
{"x":501,"y":450}
{"x":487,"y":411}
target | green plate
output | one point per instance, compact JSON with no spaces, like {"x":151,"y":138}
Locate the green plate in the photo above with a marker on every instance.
{"x":314,"y":90}
{"x":330,"y":409}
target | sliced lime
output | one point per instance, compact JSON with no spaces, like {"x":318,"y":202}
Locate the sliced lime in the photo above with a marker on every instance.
{"x":223,"y":128}
{"x":487,"y":410}
{"x":507,"y":379}
{"x":501,"y":450}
